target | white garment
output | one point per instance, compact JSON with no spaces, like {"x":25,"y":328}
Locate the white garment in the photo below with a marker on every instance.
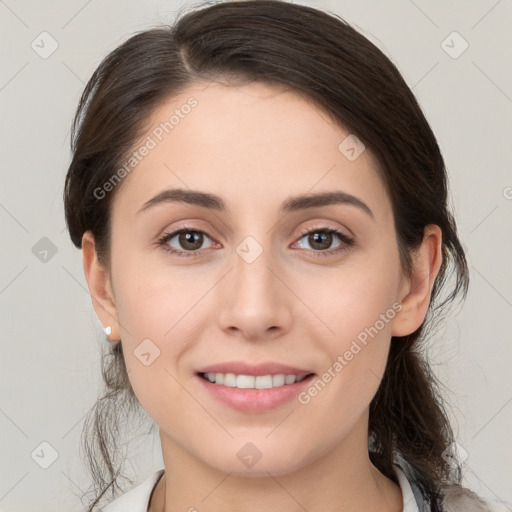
{"x":137,"y":499}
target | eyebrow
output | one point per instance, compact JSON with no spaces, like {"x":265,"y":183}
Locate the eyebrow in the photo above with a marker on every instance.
{"x":293,"y":204}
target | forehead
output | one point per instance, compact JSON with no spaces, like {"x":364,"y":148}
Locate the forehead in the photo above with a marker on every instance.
{"x":254,"y":144}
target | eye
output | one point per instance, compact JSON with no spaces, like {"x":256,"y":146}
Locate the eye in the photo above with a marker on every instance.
{"x":321,"y":239}
{"x":188,"y":240}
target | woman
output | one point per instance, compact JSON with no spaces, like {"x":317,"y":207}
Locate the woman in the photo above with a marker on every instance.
{"x":262,"y":211}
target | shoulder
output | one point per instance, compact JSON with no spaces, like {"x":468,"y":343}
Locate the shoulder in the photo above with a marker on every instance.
{"x":460,"y":499}
{"x":456,"y":498}
{"x":137,"y":498}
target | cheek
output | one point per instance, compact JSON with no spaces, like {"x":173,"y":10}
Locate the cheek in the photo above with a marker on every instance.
{"x":360,"y":314}
{"x":153,"y":345}
{"x":158,"y":323}
{"x":356,"y":307}
{"x":147,"y":301}
{"x":354,"y":299}
{"x":358,"y":350}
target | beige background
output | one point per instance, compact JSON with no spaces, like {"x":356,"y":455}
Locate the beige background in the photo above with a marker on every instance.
{"x":50,"y":338}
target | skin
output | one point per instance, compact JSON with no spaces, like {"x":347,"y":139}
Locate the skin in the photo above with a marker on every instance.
{"x":255,"y":146}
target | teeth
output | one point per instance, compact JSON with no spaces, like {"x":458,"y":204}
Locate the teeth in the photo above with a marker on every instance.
{"x":251,"y":382}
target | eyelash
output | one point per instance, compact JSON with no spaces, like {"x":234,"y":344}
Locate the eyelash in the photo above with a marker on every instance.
{"x":347,"y":242}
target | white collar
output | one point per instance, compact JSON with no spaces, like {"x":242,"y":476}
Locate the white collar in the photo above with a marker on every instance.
{"x":410,"y":503}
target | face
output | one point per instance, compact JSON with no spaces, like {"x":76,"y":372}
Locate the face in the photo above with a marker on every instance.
{"x":312,"y":286}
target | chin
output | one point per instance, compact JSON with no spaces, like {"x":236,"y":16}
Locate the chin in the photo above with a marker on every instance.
{"x":248,"y":461}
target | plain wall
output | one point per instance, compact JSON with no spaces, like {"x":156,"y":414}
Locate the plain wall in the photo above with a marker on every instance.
{"x":50,"y":338}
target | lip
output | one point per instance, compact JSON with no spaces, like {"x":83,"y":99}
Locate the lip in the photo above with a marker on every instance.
{"x":255,"y":400}
{"x":243,"y":368}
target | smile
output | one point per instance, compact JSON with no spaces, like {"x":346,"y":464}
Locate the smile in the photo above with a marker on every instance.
{"x":251,"y":381}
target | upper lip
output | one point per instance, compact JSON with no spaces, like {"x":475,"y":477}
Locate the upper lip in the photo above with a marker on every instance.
{"x":243,"y":368}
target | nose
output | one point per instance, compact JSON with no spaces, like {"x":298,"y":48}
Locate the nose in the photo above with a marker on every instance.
{"x":255,"y":300}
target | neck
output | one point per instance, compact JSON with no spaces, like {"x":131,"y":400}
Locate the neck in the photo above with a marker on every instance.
{"x":346,"y":484}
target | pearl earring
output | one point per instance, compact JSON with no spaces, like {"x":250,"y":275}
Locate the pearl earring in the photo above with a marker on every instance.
{"x":108,"y":330}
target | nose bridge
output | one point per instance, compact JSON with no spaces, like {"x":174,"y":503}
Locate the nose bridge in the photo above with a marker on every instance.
{"x":257,"y":299}
{"x":254,"y":281}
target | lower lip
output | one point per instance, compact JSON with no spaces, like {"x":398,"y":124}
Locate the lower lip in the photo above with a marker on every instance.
{"x":255,"y":400}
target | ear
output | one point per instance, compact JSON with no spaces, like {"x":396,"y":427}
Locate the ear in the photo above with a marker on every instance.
{"x":100,"y":288}
{"x":417,"y":290}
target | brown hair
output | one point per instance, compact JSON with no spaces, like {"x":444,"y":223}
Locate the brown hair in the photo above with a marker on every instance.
{"x":321,"y":57}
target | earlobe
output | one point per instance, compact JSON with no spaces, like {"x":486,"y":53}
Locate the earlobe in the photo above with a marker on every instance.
{"x":100,"y":288}
{"x":417,"y":290}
